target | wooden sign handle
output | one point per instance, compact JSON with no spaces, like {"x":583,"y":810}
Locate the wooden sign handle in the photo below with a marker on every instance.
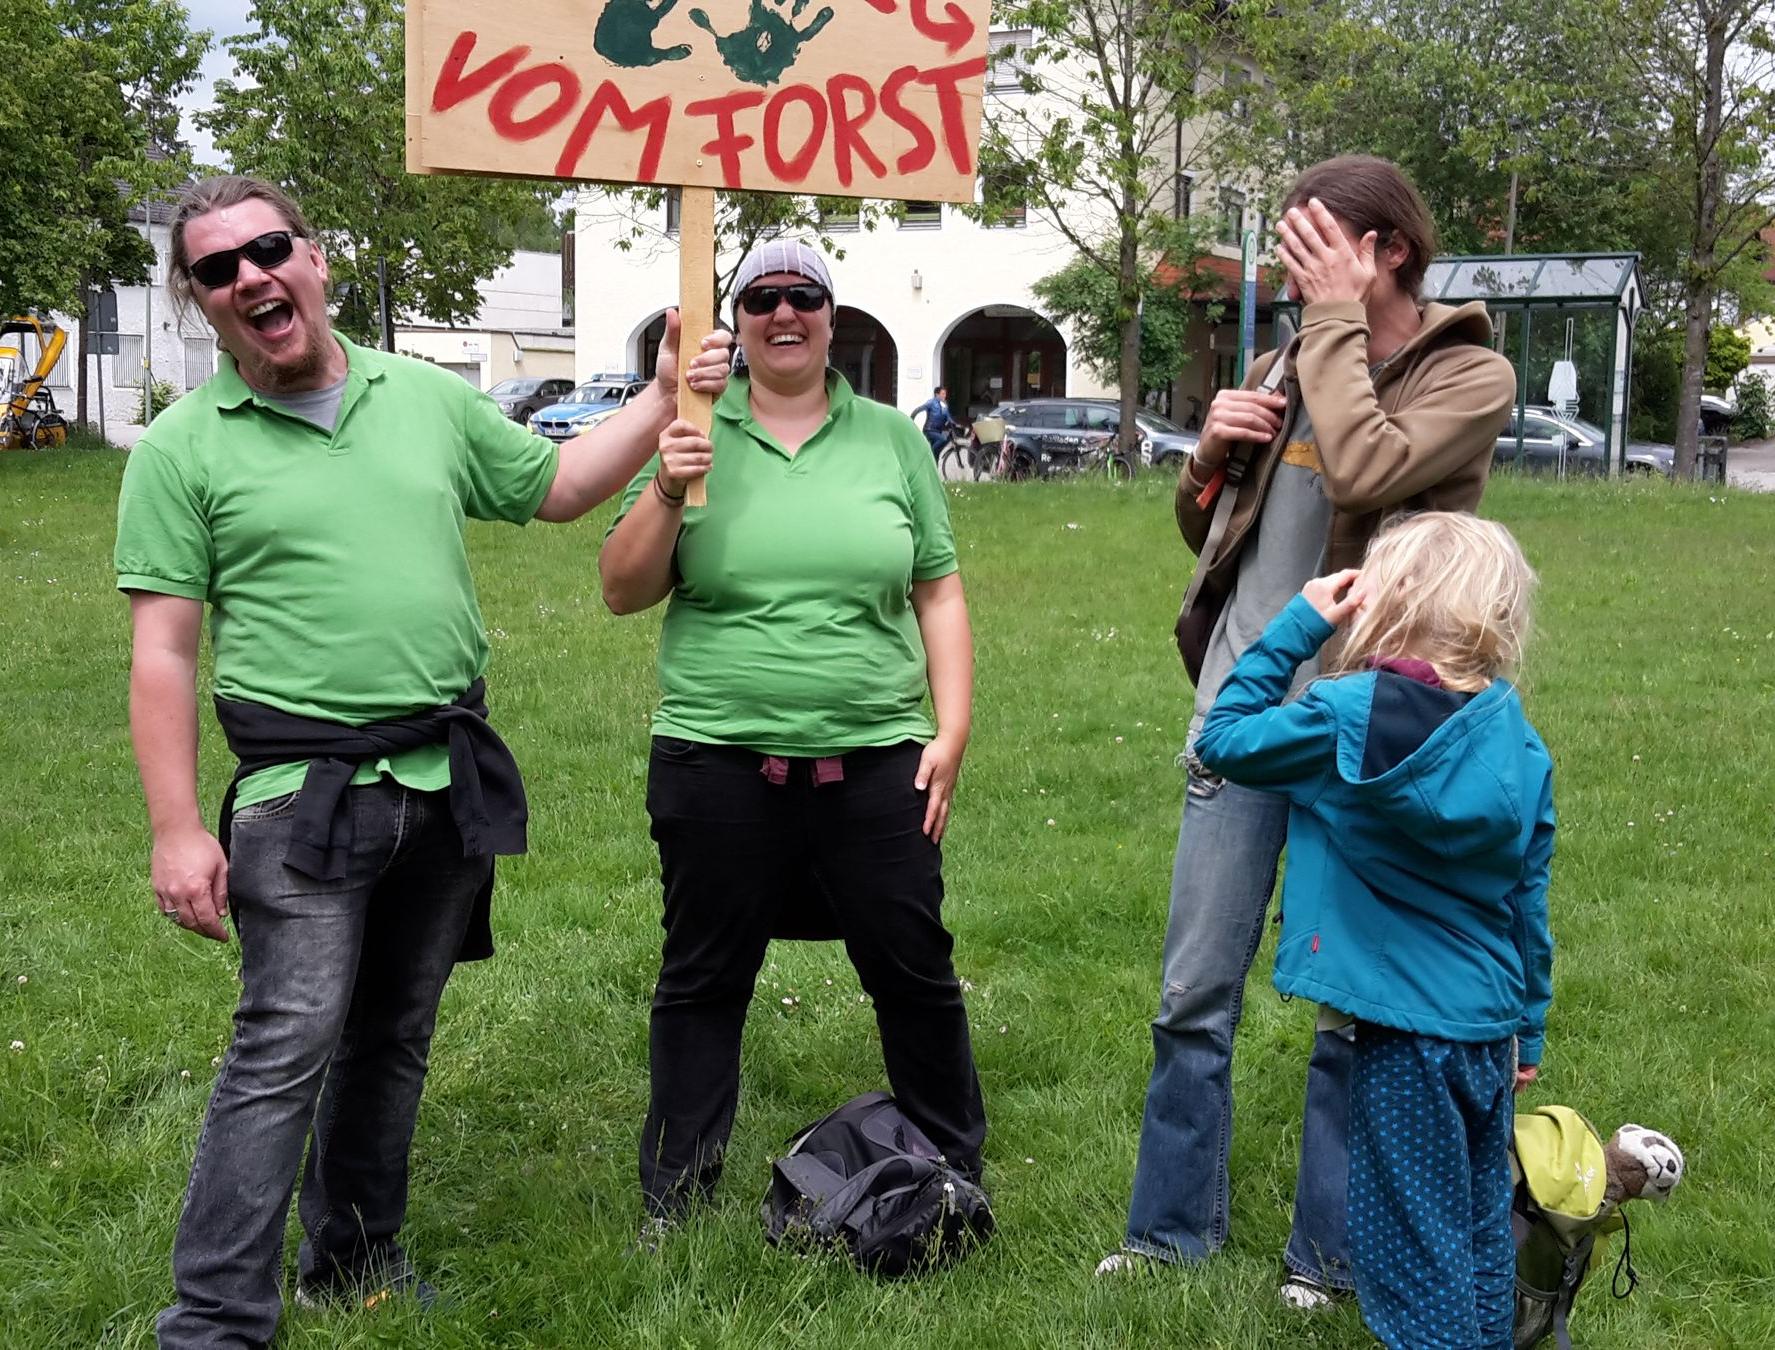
{"x":696,"y":311}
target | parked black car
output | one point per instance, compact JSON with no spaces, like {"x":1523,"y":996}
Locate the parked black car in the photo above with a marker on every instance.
{"x":1051,"y":435}
{"x":521,"y":396}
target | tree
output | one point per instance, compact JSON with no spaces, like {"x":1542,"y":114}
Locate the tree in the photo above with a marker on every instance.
{"x":1579,"y":115}
{"x":320,"y":109}
{"x":1122,"y":97}
{"x":91,"y":132}
{"x":1711,"y":65}
{"x":1728,"y":353}
{"x":1085,"y":297}
{"x":1478,"y":96}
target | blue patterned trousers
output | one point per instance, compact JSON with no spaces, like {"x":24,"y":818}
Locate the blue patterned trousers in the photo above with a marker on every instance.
{"x":1429,"y":1216}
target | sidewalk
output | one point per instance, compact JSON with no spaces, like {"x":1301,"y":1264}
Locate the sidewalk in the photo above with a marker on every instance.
{"x":1752,"y":466}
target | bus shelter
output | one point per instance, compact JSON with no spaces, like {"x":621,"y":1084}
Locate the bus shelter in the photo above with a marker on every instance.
{"x":1566,"y":322}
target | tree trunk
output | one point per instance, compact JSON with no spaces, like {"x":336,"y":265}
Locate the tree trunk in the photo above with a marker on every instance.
{"x":1696,"y":322}
{"x":1128,"y":304}
{"x":1702,"y":279}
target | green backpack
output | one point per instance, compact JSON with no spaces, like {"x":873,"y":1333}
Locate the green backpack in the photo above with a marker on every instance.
{"x":1557,"y":1217}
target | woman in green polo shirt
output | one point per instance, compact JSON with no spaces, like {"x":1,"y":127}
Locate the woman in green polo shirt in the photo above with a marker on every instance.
{"x":813,"y":601}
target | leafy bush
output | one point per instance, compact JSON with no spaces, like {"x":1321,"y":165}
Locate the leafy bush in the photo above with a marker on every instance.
{"x":164,"y":397}
{"x":1756,"y":409}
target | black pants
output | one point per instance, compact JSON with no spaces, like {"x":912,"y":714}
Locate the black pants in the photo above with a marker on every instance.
{"x":733,"y":846}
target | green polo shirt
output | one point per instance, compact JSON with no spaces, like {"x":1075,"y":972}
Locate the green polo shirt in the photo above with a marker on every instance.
{"x":791,"y":629}
{"x":333,"y":563}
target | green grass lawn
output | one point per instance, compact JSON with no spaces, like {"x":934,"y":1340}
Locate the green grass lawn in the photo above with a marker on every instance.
{"x":1653,"y":682}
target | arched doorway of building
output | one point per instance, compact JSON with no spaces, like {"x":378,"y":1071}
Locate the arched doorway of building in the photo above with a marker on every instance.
{"x":999,"y":352}
{"x":865,"y":353}
{"x":644,"y":346}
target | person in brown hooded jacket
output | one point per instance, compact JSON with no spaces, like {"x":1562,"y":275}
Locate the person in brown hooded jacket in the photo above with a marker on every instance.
{"x":1382,"y":403}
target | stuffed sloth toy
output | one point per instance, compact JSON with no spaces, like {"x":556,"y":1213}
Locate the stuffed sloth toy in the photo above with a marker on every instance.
{"x":1642,"y":1164}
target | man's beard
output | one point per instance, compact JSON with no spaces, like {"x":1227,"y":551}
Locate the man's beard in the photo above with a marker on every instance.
{"x":284,"y":376}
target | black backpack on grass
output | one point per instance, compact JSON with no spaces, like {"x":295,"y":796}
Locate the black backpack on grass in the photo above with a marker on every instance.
{"x":867,"y":1179}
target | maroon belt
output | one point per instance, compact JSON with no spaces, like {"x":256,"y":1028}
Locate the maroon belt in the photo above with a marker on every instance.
{"x":829,"y":769}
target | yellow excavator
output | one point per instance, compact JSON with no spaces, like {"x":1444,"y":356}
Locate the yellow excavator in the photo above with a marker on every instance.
{"x":29,"y":419}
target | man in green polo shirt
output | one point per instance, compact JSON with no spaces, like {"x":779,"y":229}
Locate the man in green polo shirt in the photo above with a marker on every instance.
{"x":313,"y":494}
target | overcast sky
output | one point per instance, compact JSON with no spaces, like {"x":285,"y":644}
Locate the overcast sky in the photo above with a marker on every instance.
{"x":225,"y":18}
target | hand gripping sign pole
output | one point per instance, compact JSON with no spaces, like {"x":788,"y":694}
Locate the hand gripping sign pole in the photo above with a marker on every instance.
{"x":868,"y":98}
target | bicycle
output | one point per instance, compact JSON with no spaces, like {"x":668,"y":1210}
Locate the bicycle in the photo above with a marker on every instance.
{"x":963,"y":456}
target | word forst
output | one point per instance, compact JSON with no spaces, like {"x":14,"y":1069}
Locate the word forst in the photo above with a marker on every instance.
{"x":844,"y":107}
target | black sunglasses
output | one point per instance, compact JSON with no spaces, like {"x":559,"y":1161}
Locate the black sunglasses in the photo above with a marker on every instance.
{"x":804,"y":298}
{"x":216,"y":270}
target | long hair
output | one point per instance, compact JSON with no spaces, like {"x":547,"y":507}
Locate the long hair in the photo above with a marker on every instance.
{"x":1447,"y":588}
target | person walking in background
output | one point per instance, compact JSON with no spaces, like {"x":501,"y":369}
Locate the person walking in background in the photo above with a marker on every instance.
{"x":938,"y":422}
{"x":1384,"y":403}
{"x":1420,"y":836}
{"x":813,"y":602}
{"x":313,"y":493}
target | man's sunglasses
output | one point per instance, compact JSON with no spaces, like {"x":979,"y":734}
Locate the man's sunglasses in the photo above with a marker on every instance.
{"x":216,"y":270}
{"x":803,"y":299}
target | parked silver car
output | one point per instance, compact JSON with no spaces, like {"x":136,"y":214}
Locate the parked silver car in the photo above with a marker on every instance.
{"x":1553,"y":442}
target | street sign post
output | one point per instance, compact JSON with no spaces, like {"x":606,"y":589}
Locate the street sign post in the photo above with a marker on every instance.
{"x":1247,"y":303}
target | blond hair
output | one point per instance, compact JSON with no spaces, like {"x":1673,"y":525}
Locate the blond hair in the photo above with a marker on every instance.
{"x":1447,"y":588}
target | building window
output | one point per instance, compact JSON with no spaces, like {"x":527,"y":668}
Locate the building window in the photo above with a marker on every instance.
{"x":126,"y":365}
{"x":839,"y":215}
{"x":1009,"y":60}
{"x":1238,"y":83}
{"x":200,"y":361}
{"x":1006,"y":193}
{"x":1186,"y":190}
{"x":674,"y":208}
{"x":922,"y":216}
{"x":1232,"y":217}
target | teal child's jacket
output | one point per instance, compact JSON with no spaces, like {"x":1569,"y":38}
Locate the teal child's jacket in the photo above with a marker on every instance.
{"x":1415,"y":898}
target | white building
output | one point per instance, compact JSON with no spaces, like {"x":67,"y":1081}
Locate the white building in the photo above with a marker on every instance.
{"x":180,"y":347}
{"x":523,"y":327}
{"x":935,"y":299}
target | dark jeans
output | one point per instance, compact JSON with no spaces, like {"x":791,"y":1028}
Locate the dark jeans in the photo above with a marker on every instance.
{"x":340,"y":983}
{"x":732,"y":846}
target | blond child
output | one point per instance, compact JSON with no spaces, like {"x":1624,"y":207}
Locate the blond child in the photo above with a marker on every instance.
{"x":1420,"y":831}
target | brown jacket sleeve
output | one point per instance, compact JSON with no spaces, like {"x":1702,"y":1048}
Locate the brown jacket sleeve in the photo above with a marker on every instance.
{"x":1374,"y":460}
{"x":1193,"y":521}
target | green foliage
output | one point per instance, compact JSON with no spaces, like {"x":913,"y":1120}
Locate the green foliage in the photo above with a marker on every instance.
{"x":1756,"y":409}
{"x":319,"y":108}
{"x":1657,"y":381}
{"x":1096,"y":147}
{"x":1728,"y":353}
{"x":1473,"y":90}
{"x":1087,"y":298}
{"x":89,"y":107}
{"x":164,"y":395}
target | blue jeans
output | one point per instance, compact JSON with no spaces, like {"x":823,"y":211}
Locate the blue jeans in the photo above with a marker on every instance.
{"x":340,"y":983}
{"x":1225,"y":871}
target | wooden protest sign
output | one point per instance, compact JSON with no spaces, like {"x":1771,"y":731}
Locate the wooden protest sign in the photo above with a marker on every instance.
{"x":860,"y":98}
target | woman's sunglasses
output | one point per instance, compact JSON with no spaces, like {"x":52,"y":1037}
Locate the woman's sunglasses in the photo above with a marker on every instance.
{"x":803,"y":299}
{"x":216,"y":270}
